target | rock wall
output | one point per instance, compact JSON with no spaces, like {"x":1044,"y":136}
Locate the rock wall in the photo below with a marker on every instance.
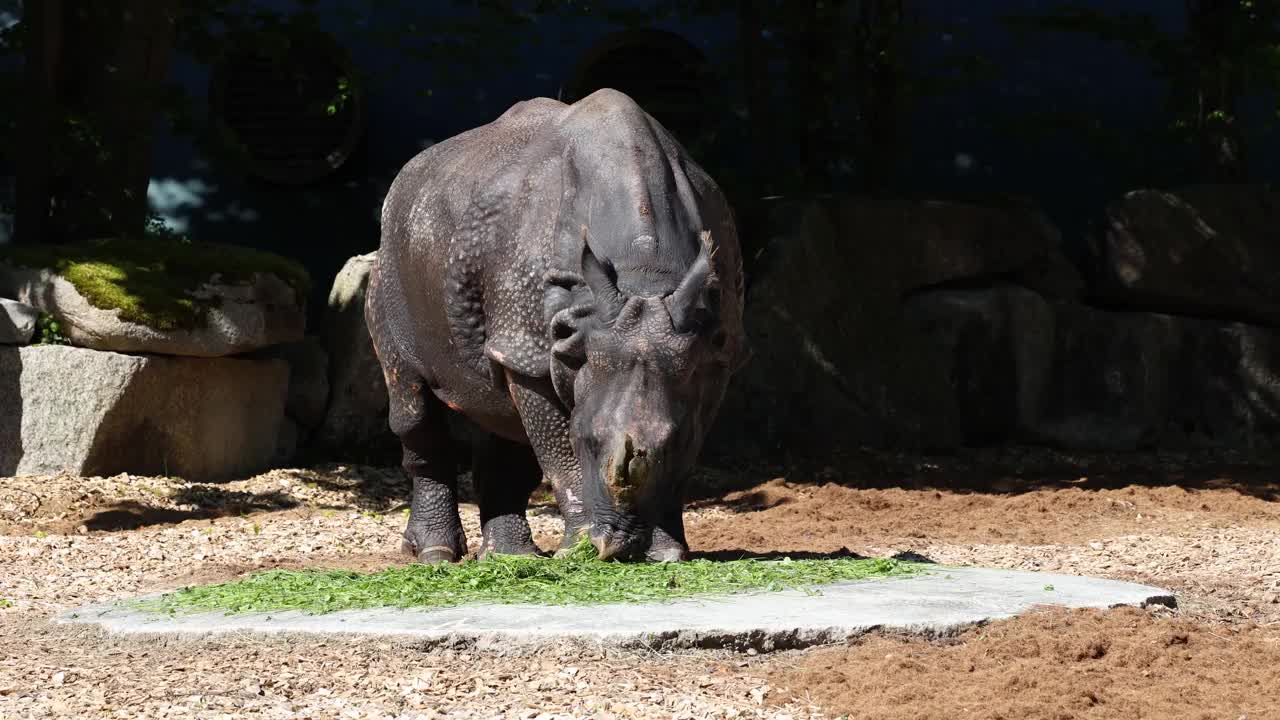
{"x":934,"y":325}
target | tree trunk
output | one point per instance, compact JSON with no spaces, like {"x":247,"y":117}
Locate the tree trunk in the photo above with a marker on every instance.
{"x":116,"y":57}
{"x":43,"y":24}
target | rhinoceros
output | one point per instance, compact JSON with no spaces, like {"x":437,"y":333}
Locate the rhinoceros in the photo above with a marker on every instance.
{"x":570,"y":280}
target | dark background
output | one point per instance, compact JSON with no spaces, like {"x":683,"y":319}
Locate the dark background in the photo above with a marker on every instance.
{"x":976,"y":100}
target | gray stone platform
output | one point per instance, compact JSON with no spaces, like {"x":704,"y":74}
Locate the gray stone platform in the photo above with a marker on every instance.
{"x":939,"y":603}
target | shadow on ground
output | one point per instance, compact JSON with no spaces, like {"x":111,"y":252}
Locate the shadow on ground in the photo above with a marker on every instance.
{"x":1000,"y":471}
{"x":131,"y":515}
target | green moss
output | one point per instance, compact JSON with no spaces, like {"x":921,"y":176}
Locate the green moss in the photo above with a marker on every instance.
{"x":150,"y":280}
{"x":579,"y":579}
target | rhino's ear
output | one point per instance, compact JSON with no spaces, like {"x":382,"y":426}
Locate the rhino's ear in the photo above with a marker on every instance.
{"x":600,"y":276}
{"x":697,"y":296}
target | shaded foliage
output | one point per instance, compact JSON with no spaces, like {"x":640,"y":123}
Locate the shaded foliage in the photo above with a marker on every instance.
{"x":1228,"y":51}
{"x":833,"y":81}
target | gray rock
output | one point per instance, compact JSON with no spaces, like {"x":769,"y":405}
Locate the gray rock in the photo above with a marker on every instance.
{"x":837,"y":361}
{"x":308,"y":380}
{"x":17,"y":322}
{"x":99,"y":413}
{"x":288,"y":440}
{"x":249,"y":316}
{"x":356,"y":419}
{"x":979,"y":341}
{"x":1085,"y":379}
{"x":899,"y":245}
{"x":1123,"y":380}
{"x":1235,"y":370}
{"x":1107,"y":386}
{"x":1209,"y":251}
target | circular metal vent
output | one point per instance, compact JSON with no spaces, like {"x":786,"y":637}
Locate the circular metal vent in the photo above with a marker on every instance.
{"x":660,"y":70}
{"x":293,"y":110}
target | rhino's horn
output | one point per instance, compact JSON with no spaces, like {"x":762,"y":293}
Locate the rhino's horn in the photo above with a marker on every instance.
{"x":600,"y":277}
{"x":691,"y":295}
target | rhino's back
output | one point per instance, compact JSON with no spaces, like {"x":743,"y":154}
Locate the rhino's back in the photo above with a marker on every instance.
{"x":437,"y":185}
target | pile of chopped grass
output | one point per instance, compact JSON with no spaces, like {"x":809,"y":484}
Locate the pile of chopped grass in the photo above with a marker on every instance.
{"x":578,"y":579}
{"x":150,"y":280}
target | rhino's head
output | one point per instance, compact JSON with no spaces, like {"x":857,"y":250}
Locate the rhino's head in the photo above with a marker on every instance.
{"x":643,"y":376}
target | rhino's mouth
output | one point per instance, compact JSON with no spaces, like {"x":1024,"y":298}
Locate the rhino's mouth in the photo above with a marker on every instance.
{"x":614,"y":545}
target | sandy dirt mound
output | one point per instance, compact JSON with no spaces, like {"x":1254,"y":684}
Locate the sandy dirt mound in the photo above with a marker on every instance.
{"x":782,"y":515}
{"x":1052,"y":665}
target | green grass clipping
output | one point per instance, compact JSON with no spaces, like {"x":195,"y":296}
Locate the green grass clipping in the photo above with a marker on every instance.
{"x":576,"y":579}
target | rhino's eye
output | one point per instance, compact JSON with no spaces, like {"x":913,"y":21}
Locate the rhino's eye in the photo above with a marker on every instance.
{"x":697,"y":321}
{"x":718,"y":339}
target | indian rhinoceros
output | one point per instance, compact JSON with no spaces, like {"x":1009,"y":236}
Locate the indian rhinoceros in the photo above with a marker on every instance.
{"x":570,"y":280}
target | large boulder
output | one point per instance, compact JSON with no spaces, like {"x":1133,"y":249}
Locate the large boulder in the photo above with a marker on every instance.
{"x":308,"y":379}
{"x":99,"y":413}
{"x":308,"y":394}
{"x":1106,"y":386}
{"x":1237,"y":367}
{"x":983,"y":341}
{"x":1080,"y":378}
{"x":837,"y":361}
{"x":1209,"y":251}
{"x":163,"y":296}
{"x":1128,"y":380}
{"x":356,"y":418}
{"x":899,"y":245}
{"x":17,"y":322}
{"x":240,"y":317}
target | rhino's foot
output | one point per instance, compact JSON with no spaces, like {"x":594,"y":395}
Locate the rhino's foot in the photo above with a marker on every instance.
{"x":430,"y":548}
{"x":508,"y":535}
{"x":665,"y":548}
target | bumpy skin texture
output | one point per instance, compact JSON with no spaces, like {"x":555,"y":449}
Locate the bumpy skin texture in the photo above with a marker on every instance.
{"x":567,"y":278}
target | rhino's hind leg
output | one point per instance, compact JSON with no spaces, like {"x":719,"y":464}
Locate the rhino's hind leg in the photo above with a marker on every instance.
{"x":434,"y":532}
{"x":505,"y":474}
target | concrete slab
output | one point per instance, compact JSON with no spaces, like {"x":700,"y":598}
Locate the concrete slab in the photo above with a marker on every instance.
{"x":939,"y":603}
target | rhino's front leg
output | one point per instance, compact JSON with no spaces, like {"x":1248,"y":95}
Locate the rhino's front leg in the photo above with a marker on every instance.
{"x":546,"y":423}
{"x":669,"y":543}
{"x":505,"y":474}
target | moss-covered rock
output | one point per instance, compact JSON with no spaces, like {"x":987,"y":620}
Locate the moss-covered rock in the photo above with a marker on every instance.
{"x":161,"y":295}
{"x":155,"y":282}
